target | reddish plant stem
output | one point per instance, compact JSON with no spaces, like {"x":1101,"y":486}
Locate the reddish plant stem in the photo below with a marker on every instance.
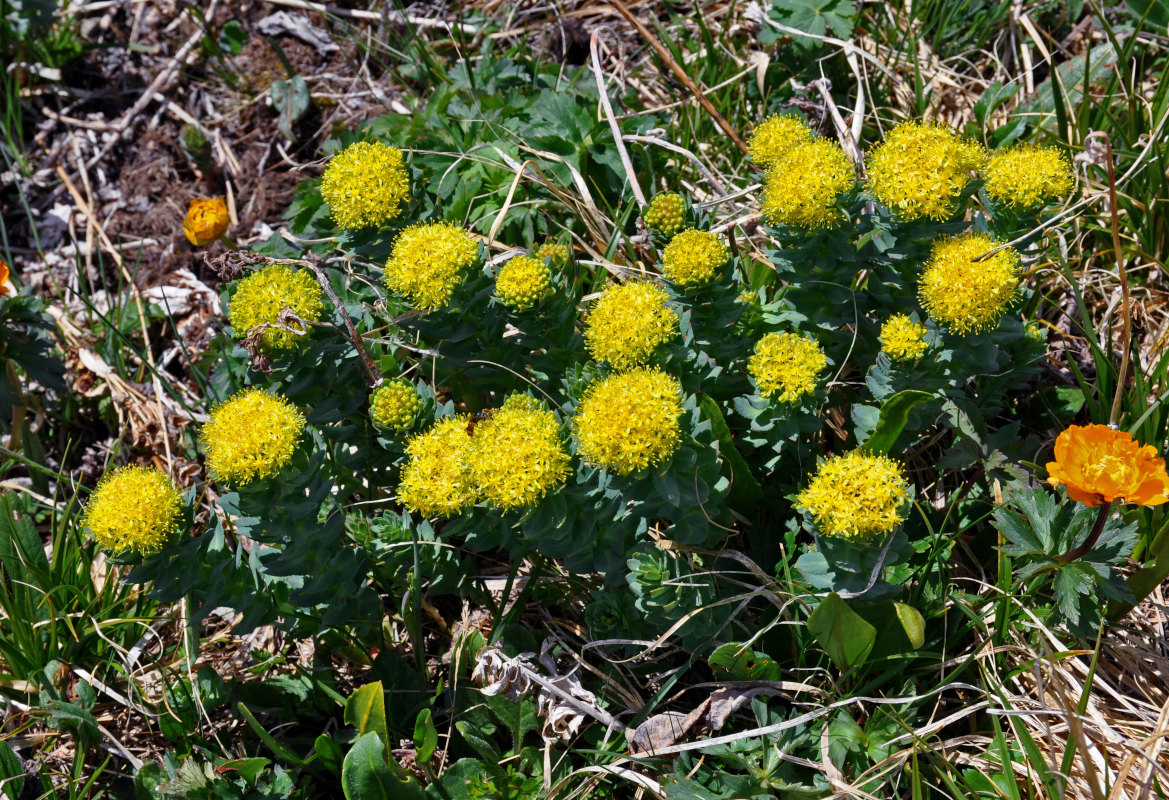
{"x":1093,"y":537}
{"x":372,"y":374}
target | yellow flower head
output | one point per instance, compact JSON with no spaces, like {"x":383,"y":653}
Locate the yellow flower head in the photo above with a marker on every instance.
{"x":856,"y":496}
{"x":523,"y":282}
{"x":1027,"y":176}
{"x":920,"y":168}
{"x":435,"y":481}
{"x":693,"y":257}
{"x":902,"y":339}
{"x":260,"y":297}
{"x":787,"y":363}
{"x":429,"y":261}
{"x":395,"y":404}
{"x":553,"y":251}
{"x":665,"y":213}
{"x":801,"y":189}
{"x":134,"y":508}
{"x":365,"y":184}
{"x":206,"y":220}
{"x":628,"y":421}
{"x":967,"y":296}
{"x":252,"y":435}
{"x":628,"y":322}
{"x":774,"y":137}
{"x":516,"y":456}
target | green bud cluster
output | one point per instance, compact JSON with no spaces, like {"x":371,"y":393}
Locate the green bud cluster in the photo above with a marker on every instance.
{"x":395,"y":404}
{"x":666,"y":213}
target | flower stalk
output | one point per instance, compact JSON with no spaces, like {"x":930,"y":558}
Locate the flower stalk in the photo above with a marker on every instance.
{"x":1093,"y":535}
{"x":1126,"y":300}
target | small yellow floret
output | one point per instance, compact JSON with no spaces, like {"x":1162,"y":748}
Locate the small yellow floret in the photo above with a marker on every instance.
{"x":629,"y":421}
{"x":516,"y":456}
{"x":429,"y":261}
{"x":902,"y":339}
{"x":252,"y":435}
{"x":967,"y":296}
{"x":920,"y":168}
{"x":787,"y":362}
{"x":857,"y":496}
{"x":523,"y":282}
{"x":553,"y":251}
{"x":395,"y":404}
{"x":971,"y":154}
{"x":435,"y":481}
{"x":693,"y":257}
{"x":628,"y":322}
{"x":666,"y":213}
{"x":365,"y":184}
{"x":260,"y":297}
{"x":774,"y":137}
{"x":133,"y":508}
{"x":801,"y":189}
{"x":1027,"y":176}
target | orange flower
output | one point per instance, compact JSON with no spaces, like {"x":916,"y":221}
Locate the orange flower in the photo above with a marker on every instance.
{"x":206,"y":220}
{"x":1099,"y":465}
{"x":4,"y":284}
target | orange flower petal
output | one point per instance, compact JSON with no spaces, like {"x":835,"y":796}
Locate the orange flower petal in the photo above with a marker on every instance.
{"x":1152,"y":492}
{"x":1089,"y":499}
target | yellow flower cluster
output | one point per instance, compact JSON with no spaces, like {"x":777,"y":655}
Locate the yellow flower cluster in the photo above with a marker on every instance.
{"x":133,"y":508}
{"x":435,"y":481}
{"x":856,"y":496}
{"x":692,"y":258}
{"x":516,"y":456}
{"x":260,"y":297}
{"x":629,"y":421}
{"x":1028,"y":176}
{"x":429,"y":261}
{"x":920,"y":168}
{"x":967,"y":296}
{"x":207,"y":219}
{"x":628,"y":322}
{"x":395,"y":404}
{"x":511,"y":459}
{"x":522,"y":282}
{"x":801,"y":189}
{"x":252,"y":435}
{"x":666,"y":213}
{"x":787,"y":363}
{"x":774,"y":137}
{"x":902,"y":339}
{"x":365,"y":184}
{"x":554,"y":252}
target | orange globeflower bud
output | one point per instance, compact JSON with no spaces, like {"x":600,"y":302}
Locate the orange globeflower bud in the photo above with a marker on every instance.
{"x":1099,"y":465}
{"x":206,"y":220}
{"x":4,"y":284}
